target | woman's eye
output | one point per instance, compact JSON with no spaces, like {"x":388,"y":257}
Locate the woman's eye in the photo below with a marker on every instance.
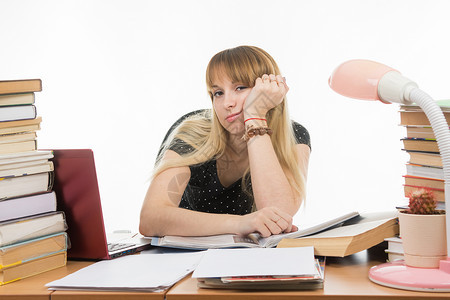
{"x":240,"y":88}
{"x":217,"y":94}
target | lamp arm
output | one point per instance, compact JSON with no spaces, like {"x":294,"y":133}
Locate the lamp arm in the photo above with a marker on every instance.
{"x":442,"y":133}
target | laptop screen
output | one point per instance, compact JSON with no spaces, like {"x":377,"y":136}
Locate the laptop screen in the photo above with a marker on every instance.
{"x":77,"y":194}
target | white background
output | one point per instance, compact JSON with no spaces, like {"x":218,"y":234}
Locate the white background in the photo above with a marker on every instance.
{"x":117,"y":74}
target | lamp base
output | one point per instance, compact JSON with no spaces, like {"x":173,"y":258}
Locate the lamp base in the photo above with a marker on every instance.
{"x":400,"y":276}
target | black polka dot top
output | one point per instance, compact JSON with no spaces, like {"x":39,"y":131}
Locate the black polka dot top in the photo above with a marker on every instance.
{"x":205,"y":193}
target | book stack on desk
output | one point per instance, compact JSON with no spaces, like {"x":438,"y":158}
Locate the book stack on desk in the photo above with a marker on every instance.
{"x":32,"y":231}
{"x":394,"y":249}
{"x":424,"y":167}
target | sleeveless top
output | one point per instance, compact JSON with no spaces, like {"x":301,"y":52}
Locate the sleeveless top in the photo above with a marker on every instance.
{"x":204,"y":192}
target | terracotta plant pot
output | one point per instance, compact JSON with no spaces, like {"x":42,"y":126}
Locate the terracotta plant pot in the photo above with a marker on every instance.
{"x":424,"y":239}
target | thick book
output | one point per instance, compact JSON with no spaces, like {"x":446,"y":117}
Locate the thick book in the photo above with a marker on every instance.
{"x":420,"y":145}
{"x":438,"y":193}
{"x":425,"y":182}
{"x":353,"y":236}
{"x":27,"y":206}
{"x":17,"y":137}
{"x":413,"y":115}
{"x":444,"y":104}
{"x":23,"y":252}
{"x":17,"y":112}
{"x":417,"y":131}
{"x":22,"y":229}
{"x":251,"y":241}
{"x":21,"y":168}
{"x":24,"y":169}
{"x":20,"y":86}
{"x":418,"y":118}
{"x":11,"y":187}
{"x":425,"y":171}
{"x":17,"y":99}
{"x":7,"y":160}
{"x":424,"y":158}
{"x":20,"y":126}
{"x":394,"y":249}
{"x":33,"y":267}
{"x":14,"y":147}
{"x":395,"y":244}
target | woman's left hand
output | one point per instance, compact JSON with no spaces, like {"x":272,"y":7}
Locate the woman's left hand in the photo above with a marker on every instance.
{"x":268,"y":92}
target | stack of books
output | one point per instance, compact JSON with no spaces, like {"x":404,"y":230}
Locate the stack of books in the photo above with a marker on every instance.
{"x":424,"y":167}
{"x":394,"y":249}
{"x":32,"y":231}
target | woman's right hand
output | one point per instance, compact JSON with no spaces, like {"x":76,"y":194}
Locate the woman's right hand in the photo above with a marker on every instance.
{"x":268,"y":92}
{"x":266,"y":221}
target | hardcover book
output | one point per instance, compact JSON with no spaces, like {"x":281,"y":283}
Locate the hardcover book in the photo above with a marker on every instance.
{"x":22,"y":229}
{"x":11,"y":187}
{"x":27,"y":206}
{"x":17,"y":99}
{"x":353,"y":237}
{"x":20,"y":86}
{"x":23,"y":252}
{"x":33,"y":267}
{"x":17,"y":112}
{"x":20,"y":126}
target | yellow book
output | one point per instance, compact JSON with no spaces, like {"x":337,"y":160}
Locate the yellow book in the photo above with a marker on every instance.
{"x":23,"y":252}
{"x":33,"y":267}
{"x":347,"y":239}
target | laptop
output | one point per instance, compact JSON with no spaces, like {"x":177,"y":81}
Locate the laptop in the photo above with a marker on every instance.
{"x":78,"y":195}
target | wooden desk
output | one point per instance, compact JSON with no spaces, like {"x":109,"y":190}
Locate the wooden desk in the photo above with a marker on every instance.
{"x":345,"y":278}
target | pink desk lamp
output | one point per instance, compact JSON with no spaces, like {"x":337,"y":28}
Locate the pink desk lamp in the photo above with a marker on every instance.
{"x":368,"y":80}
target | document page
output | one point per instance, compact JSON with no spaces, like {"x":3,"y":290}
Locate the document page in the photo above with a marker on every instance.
{"x":142,"y":272}
{"x":256,"y":262}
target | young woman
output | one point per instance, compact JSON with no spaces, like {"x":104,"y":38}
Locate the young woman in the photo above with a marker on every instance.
{"x":239,"y":167}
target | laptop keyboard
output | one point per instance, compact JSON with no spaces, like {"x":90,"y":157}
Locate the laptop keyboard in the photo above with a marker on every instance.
{"x":118,"y":246}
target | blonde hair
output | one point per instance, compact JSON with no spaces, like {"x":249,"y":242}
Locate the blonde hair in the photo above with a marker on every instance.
{"x":207,"y":136}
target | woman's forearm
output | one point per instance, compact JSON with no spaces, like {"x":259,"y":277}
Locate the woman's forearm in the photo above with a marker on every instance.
{"x":269,"y":182}
{"x":168,"y":220}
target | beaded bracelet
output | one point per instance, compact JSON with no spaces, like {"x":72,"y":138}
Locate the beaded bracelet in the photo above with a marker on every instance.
{"x":251,"y":132}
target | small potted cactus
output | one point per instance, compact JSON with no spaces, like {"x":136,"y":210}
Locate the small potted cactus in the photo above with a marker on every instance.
{"x":422,"y":229}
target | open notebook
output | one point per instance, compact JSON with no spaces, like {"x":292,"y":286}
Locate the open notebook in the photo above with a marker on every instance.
{"x":78,"y":196}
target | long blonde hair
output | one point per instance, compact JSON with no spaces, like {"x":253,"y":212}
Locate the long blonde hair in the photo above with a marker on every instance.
{"x":207,"y":136}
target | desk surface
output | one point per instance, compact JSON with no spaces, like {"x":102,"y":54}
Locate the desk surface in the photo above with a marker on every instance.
{"x":345,"y":278}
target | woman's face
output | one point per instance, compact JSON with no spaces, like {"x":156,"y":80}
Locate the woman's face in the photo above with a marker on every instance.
{"x":228,"y":103}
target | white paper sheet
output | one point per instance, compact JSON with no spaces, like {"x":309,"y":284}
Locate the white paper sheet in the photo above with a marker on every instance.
{"x":256,"y":262}
{"x":143,"y":272}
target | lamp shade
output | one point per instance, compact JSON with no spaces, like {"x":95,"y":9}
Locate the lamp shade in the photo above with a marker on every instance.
{"x":358,"y":79}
